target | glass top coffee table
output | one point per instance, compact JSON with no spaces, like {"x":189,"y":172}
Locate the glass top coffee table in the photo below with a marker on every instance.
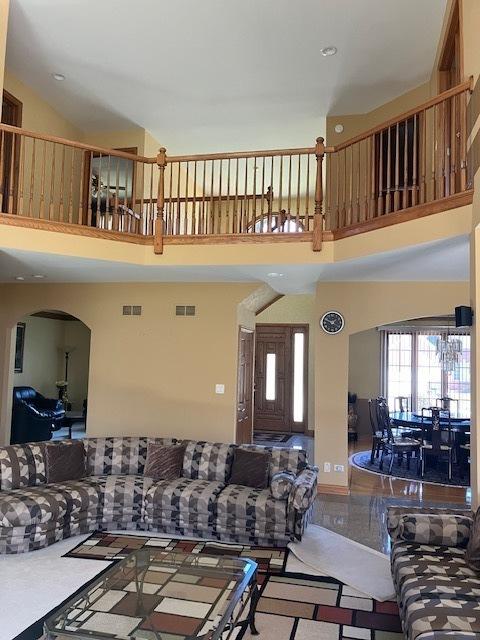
{"x":159,"y":595}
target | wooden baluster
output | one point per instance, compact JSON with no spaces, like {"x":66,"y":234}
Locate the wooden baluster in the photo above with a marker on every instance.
{"x":42,"y":179}
{"x":434,"y":155}
{"x":108,"y":215}
{"x":270,"y":195}
{"x":235,"y":202}
{"x":151,"y":217}
{"x":158,"y":239}
{"x":116,"y":198}
{"x":171,"y":205}
{"x":453,"y":110}
{"x":423,"y":157}
{"x":372,"y":168}
{"x":245,"y":206}
{"x":280,"y":192}
{"x":388,"y":204}
{"x":202,"y":223}
{"x":186,"y":212}
{"x":227,"y":205}
{"x":81,"y":205}
{"x":254,"y":199}
{"x":465,"y":178}
{"x":262,"y":199}
{"x":11,"y":177}
{"x":194,"y":203}
{"x":318,"y":215}
{"x":70,"y":188}
{"x":307,"y":196}
{"x":32,"y":179}
{"x":380,"y":207}
{"x":23,"y":144}
{"x":396,"y":194}
{"x":359,"y":168}
{"x":365,"y":178}
{"x":350,"y":188}
{"x":178,"y":213}
{"x":51,"y":213}
{"x":338,"y":214}
{"x":445,"y":149}
{"x":289,"y":199}
{"x":2,"y":162}
{"x":142,"y":228}
{"x":89,"y":192}
{"x":329,"y":194}
{"x":415,"y":161}
{"x":405,"y":202}
{"x":219,"y":201}
{"x":61,"y":206}
{"x":297,"y":217}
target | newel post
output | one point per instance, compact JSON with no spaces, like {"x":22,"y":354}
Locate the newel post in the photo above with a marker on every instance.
{"x":318,"y":215}
{"x":158,"y":235}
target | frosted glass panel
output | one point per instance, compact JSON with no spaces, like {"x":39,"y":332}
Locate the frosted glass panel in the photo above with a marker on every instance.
{"x":270,"y":386}
{"x":298,"y":368}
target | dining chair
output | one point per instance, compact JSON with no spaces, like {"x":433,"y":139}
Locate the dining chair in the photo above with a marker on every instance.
{"x":434,"y":444}
{"x":445,"y":404}
{"x":394,"y":445}
{"x":378,"y":434}
{"x":402,"y":402}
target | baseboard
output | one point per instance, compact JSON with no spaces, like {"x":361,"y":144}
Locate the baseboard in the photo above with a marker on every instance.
{"x":335,"y":489}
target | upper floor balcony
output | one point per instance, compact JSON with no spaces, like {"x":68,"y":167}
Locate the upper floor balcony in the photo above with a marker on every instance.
{"x":411,"y":166}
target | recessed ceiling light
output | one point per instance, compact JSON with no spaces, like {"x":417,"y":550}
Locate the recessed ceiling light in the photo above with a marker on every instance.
{"x":328,"y":51}
{"x":274,"y":274}
{"x":19,"y":278}
{"x":58,"y":76}
{"x":38,"y":276}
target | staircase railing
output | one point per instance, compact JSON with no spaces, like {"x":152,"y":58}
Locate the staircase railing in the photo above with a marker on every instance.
{"x":407,"y":162}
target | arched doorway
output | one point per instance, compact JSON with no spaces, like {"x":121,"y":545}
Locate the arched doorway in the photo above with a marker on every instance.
{"x":49,"y":377}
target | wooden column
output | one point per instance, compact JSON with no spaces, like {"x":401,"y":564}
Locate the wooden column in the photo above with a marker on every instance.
{"x":158,"y":237}
{"x":318,"y":214}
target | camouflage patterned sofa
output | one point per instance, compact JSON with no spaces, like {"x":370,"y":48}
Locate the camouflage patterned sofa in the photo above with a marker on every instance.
{"x":437,"y":592}
{"x":116,"y":495}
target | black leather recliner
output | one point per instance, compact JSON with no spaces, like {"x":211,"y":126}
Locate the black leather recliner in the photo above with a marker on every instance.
{"x":34,"y":417}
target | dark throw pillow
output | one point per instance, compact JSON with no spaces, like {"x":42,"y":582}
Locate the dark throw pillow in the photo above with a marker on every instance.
{"x":250,"y":468}
{"x":64,"y":461}
{"x":164,"y":462}
{"x":472,"y":555}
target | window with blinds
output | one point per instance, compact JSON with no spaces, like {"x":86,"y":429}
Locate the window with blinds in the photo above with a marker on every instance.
{"x":412,"y":369}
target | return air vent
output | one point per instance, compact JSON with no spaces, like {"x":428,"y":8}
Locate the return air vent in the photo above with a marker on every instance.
{"x":184,"y":310}
{"x":129,"y":310}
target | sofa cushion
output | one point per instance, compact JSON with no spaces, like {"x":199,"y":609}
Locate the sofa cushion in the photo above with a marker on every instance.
{"x":22,"y":465}
{"x":164,"y":462}
{"x":250,"y":468}
{"x":34,"y":505}
{"x":448,"y":530}
{"x":121,"y":495}
{"x":207,"y":461}
{"x":64,"y":461}
{"x":241,"y":509}
{"x":472,"y":556}
{"x":282,"y":458}
{"x":118,"y":455}
{"x":183,"y":501}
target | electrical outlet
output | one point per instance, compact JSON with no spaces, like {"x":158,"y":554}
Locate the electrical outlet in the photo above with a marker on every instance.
{"x":220,"y":389}
{"x":327,"y":467}
{"x":339,"y":467}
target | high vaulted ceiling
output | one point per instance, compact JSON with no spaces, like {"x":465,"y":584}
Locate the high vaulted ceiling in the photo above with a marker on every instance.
{"x":206,"y":75}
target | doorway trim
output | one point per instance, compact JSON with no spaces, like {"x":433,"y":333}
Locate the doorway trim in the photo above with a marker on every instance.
{"x":453,"y":31}
{"x":14,"y":148}
{"x":243,"y":329}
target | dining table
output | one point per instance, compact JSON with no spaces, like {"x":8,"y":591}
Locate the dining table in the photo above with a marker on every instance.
{"x":412,"y":421}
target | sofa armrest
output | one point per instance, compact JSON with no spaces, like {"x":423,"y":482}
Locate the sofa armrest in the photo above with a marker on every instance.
{"x":304,"y":490}
{"x":395,"y":518}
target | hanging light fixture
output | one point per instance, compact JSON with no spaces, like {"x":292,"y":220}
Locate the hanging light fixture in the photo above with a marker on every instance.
{"x":449,"y":350}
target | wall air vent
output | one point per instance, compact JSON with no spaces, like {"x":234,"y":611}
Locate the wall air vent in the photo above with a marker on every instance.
{"x":184,"y":310}
{"x":129,"y":310}
{"x":136,"y":310}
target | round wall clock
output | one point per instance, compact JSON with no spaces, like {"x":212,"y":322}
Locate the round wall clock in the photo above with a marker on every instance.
{"x":332,"y":322}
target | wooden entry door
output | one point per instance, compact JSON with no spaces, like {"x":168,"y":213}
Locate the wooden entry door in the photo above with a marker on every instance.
{"x":246,"y":345}
{"x":281,"y":378}
{"x":10,"y":154}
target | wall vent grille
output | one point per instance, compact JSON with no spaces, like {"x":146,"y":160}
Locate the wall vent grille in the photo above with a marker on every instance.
{"x":131,"y":310}
{"x":185,"y":310}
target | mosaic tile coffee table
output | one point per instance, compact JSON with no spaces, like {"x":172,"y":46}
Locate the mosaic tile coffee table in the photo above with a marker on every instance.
{"x":162,"y":595}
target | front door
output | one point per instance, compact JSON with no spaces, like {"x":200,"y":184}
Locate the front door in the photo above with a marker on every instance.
{"x":281,"y":378}
{"x":246,"y":346}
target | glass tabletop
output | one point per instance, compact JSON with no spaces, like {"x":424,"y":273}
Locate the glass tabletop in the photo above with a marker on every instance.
{"x":155,"y":594}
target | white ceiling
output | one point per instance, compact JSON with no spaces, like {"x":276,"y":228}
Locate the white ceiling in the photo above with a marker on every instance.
{"x":205,"y":75}
{"x":446,"y":260}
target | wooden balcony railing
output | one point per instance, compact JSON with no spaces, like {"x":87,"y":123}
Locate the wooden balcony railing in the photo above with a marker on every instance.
{"x":414,"y":160}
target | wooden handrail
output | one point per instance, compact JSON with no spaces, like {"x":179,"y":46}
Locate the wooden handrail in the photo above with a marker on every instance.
{"x":269,"y":153}
{"x":441,"y":97}
{"x":78,"y":145}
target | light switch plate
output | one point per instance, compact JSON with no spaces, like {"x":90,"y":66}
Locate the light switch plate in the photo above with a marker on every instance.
{"x":220,"y":389}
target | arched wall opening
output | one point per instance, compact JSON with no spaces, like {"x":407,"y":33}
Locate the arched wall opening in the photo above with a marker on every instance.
{"x":48,"y":351}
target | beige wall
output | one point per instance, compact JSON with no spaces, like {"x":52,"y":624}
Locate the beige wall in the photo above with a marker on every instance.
{"x":364,"y":374}
{"x":152,"y":374}
{"x":297,"y":309}
{"x":364,"y":305}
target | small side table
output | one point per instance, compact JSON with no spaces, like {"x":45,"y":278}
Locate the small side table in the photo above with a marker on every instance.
{"x":70,"y":418}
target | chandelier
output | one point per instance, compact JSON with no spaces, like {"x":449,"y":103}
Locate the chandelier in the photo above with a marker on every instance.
{"x":449,"y":350}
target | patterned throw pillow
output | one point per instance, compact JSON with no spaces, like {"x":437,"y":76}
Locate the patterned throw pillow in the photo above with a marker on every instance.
{"x":250,"y":468}
{"x":448,"y":530}
{"x":472,"y":556}
{"x":65,"y":461}
{"x":281,"y":484}
{"x":164,"y":462}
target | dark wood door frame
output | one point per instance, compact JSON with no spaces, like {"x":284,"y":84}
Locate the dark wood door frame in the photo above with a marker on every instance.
{"x":290,"y":425}
{"x":12,"y":110}
{"x":245,"y":378}
{"x":450,"y":65}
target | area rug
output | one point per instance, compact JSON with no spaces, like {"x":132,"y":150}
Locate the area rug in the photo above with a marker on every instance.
{"x":292,"y":606}
{"x":112,"y":546}
{"x":331,"y":554}
{"x":271,"y":438}
{"x":361,"y":460}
